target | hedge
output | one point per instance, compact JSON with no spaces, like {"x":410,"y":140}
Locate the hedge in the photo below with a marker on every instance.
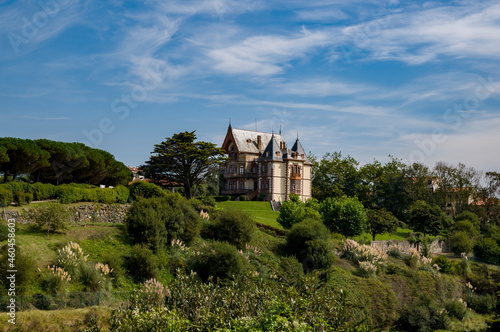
{"x":66,"y":193}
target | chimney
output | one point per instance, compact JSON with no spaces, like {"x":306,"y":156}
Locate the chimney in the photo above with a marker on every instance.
{"x":259,"y":142}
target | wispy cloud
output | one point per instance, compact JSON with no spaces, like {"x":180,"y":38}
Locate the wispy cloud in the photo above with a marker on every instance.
{"x":266,"y":55}
{"x":45,"y":118}
{"x":417,"y":36}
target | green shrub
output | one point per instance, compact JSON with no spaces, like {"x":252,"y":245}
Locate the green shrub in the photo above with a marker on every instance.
{"x":344,"y":215}
{"x":456,"y":308}
{"x":42,"y":191}
{"x":4,"y":232}
{"x":141,"y":263}
{"x":466,"y":226}
{"x":94,"y":277}
{"x":67,"y":193}
{"x":28,"y":198}
{"x":219,"y":260}
{"x":20,"y":198}
{"x":291,"y":271}
{"x":423,"y":317}
{"x":16,"y":186}
{"x":470,"y":216}
{"x":294,"y":211}
{"x":25,"y":266}
{"x":481,"y":303}
{"x":460,"y":242}
{"x":487,"y":250}
{"x":235,"y":227}
{"x":309,"y":241}
{"x":143,"y":189}
{"x":55,"y":280}
{"x":191,"y":220}
{"x":445,"y":264}
{"x":222,"y":198}
{"x":6,"y":196}
{"x":156,"y":221}
{"x":208,"y":200}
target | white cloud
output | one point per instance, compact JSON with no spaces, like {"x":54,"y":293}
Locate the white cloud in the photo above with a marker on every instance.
{"x":266,"y":55}
{"x":320,"y":87}
{"x":419,"y":36}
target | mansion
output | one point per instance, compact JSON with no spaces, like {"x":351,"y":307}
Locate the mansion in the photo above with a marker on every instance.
{"x":260,"y":165}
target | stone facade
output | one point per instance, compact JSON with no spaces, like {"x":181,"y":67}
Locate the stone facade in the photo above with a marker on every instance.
{"x":262,"y":164}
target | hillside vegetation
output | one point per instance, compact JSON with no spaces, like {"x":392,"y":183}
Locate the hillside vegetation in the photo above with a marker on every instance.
{"x":264,"y":285}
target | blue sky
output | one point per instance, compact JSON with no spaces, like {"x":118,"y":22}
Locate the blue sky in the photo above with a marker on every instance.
{"x":417,"y":80}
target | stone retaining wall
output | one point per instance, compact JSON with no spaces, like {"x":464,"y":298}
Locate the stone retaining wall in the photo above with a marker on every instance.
{"x":437,"y":246}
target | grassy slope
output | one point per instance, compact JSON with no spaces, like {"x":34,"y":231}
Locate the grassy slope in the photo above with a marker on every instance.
{"x":43,"y":249}
{"x":261,"y":211}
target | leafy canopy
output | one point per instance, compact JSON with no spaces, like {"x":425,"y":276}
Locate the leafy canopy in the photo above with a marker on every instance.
{"x":344,"y":215}
{"x":181,"y":160}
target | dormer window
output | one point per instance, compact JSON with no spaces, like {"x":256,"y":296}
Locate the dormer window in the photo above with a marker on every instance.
{"x":302,"y":156}
{"x":267,"y":153}
{"x":278,"y":153}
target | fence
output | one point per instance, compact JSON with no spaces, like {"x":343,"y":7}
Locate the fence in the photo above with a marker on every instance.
{"x":62,"y":301}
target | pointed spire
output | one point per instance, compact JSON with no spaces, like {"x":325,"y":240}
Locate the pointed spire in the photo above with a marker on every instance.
{"x":297,"y":134}
{"x":280,"y":130}
{"x":230,"y":123}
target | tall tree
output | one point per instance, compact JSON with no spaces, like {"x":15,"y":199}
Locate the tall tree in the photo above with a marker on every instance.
{"x":390,"y":189}
{"x":24,"y":156}
{"x":381,"y":221}
{"x":4,"y":157}
{"x":344,"y":215}
{"x":335,"y":176}
{"x":487,"y":194}
{"x":456,"y":186}
{"x":182,"y":160}
{"x":425,"y":218}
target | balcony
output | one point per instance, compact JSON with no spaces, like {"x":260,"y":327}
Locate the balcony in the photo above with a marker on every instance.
{"x":295,"y":176}
{"x":239,"y":175}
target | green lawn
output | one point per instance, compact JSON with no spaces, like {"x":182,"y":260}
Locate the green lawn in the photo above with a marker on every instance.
{"x":261,"y":211}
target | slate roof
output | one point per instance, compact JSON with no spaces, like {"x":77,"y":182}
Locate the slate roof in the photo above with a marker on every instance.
{"x":246,"y":140}
{"x":297,"y":147}
{"x":270,"y":152}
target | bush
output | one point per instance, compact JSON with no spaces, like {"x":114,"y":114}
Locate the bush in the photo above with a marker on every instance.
{"x":309,"y":241}
{"x":49,"y":216}
{"x":466,"y":226}
{"x":235,"y":227}
{"x":143,"y":189}
{"x":6,"y":196}
{"x":470,"y":216}
{"x":222,"y":198}
{"x":25,"y":266}
{"x":95,"y":277}
{"x":4,"y":232}
{"x":69,"y":194}
{"x":423,"y":317}
{"x":141,"y":263}
{"x":480,"y":303}
{"x":460,"y":242}
{"x":345,"y":215}
{"x":20,"y":198}
{"x":487,"y":250}
{"x":445,"y":264}
{"x":156,"y":221}
{"x":294,"y":211}
{"x":220,"y":260}
{"x":456,"y":308}
{"x":42,"y":191}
